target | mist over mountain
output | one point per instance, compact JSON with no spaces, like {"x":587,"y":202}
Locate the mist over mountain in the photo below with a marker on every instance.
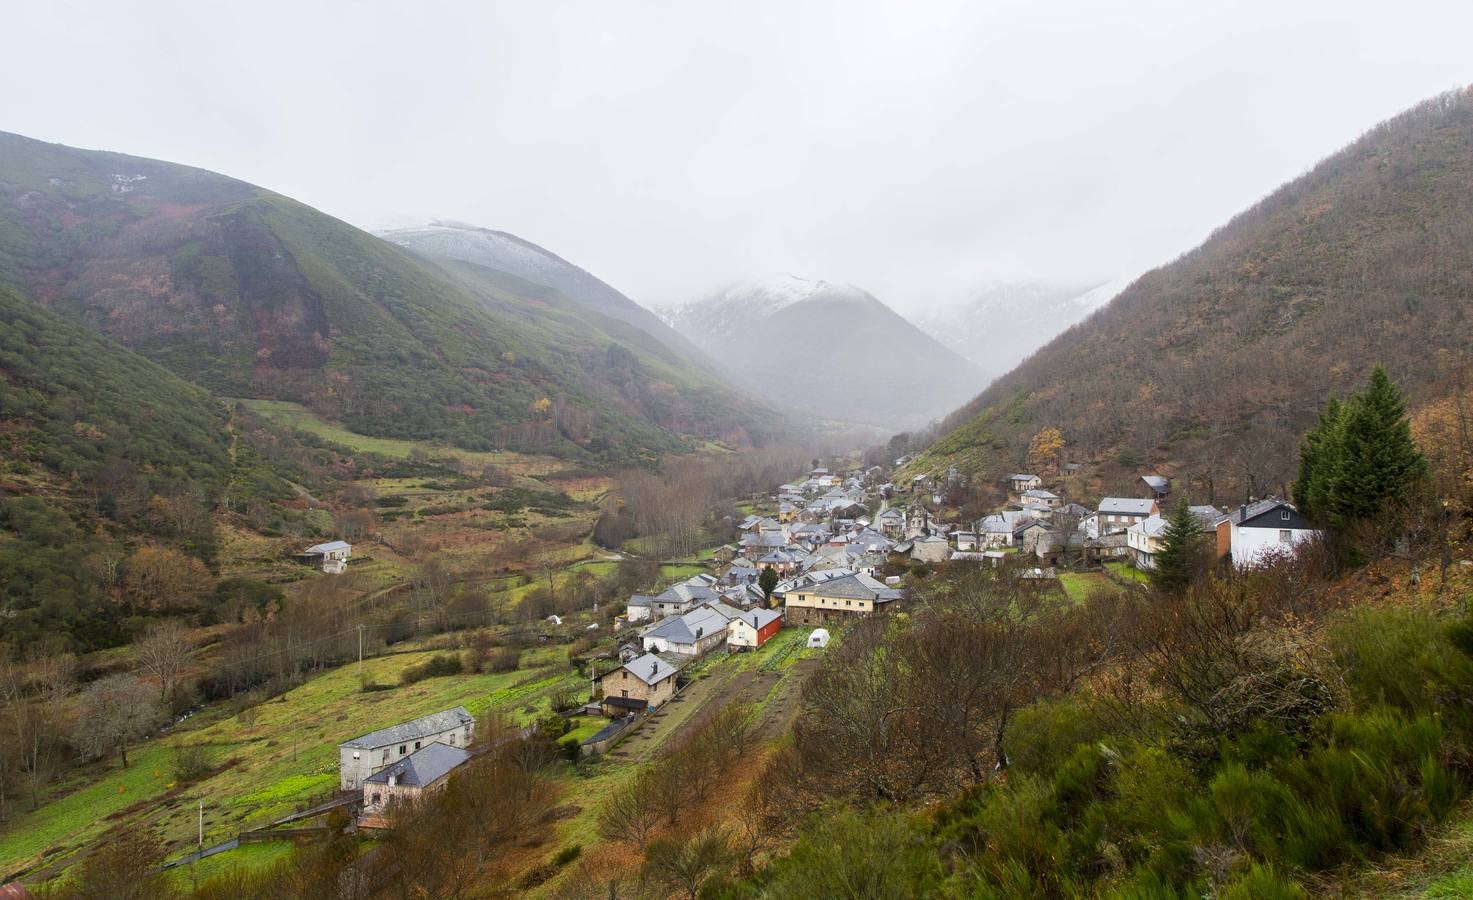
{"x":829,"y":350}
{"x":998,"y":326}
{"x":505,"y":252}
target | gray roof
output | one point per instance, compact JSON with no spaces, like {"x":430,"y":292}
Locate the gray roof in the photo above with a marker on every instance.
{"x":1129,"y":506}
{"x":423,"y":767}
{"x":854,"y":587}
{"x":425,"y":726}
{"x":1157,"y":482}
{"x":650,"y":669}
{"x":329,"y":547}
{"x":1021,"y":476}
{"x":684,"y":629}
{"x":760,"y":618}
{"x":641,"y":600}
{"x":1241,"y":514}
{"x":1040,"y":494}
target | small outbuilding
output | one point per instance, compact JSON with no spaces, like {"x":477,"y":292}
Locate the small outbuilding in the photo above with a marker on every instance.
{"x":333,"y":556}
{"x":819,"y":638}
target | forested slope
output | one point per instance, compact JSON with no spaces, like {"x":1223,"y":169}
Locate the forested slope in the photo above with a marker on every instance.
{"x":251,"y":294}
{"x":1219,"y":361}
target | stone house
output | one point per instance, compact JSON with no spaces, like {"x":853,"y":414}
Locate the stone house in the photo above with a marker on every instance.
{"x":417,"y":775}
{"x":640,"y":684}
{"x":369,"y":753}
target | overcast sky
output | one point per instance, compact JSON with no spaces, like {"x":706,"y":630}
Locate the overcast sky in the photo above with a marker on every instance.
{"x":916,"y":149}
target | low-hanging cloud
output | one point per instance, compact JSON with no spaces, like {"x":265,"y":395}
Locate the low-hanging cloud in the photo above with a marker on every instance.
{"x":917,"y":149}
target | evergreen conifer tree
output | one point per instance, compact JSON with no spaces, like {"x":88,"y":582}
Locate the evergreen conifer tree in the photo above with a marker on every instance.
{"x":1180,"y":556}
{"x":1316,"y":457}
{"x":1376,"y":460}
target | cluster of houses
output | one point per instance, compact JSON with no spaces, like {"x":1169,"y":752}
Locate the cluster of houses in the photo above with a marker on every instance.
{"x":825,"y":548}
{"x":1038,"y":522}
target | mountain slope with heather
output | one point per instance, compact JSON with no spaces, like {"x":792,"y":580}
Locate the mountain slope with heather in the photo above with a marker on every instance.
{"x":1218,"y":362}
{"x":828,"y":350}
{"x":251,"y":294}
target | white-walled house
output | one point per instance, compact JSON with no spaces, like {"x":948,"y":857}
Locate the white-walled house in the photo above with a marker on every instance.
{"x":332,"y":555}
{"x":1256,"y":532}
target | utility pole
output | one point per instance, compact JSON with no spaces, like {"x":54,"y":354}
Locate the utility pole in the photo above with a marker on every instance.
{"x":202,"y":824}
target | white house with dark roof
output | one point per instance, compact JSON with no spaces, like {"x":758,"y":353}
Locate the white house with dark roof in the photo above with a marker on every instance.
{"x":1254,"y":533}
{"x":368,"y":753}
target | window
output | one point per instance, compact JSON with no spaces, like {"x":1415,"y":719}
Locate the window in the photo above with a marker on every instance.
{"x":377,"y":798}
{"x":1285,"y":535}
{"x":1284,"y":514}
{"x":626,"y":674}
{"x":624,"y":693}
{"x":416,"y":745}
{"x":401,"y":749}
{"x":355,"y":754}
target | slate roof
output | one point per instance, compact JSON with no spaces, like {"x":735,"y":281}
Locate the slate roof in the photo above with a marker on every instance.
{"x":423,"y":767}
{"x":641,"y":600}
{"x":994,"y":525}
{"x":424,"y":726}
{"x":683,"y":629}
{"x":855,"y":587}
{"x":760,"y":618}
{"x":1126,"y":506}
{"x":329,"y":547}
{"x":1040,"y":494}
{"x":1157,"y":482}
{"x":650,"y":669}
{"x":1021,"y":476}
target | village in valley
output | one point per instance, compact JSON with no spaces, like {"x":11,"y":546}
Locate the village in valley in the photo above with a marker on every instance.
{"x":812,"y":557}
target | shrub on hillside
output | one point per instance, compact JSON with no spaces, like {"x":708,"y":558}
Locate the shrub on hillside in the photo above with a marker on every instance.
{"x":439,"y":665}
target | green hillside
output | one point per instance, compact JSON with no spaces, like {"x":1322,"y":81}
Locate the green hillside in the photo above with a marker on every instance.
{"x":1218,"y":362}
{"x":89,"y":432}
{"x":251,"y":294}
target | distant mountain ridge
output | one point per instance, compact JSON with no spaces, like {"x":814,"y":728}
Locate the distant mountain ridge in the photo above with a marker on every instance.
{"x":519,"y":257}
{"x":827,"y":349}
{"x":1215,"y":364}
{"x":251,"y":294}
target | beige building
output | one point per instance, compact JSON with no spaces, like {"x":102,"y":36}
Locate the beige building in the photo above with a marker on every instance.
{"x":366,"y":754}
{"x":836,"y":600}
{"x":640,"y":684}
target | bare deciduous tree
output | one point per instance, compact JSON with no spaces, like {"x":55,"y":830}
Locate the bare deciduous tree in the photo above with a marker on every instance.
{"x":163,"y":652}
{"x":115,"y":711}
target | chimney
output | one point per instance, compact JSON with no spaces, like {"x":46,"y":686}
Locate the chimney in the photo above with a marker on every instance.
{"x":1242,"y":513}
{"x":393,"y":779}
{"x":654,"y":668}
